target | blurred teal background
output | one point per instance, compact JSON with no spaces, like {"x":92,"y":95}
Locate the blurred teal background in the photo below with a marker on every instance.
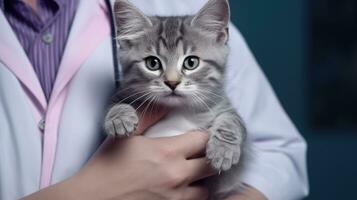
{"x":278,"y":33}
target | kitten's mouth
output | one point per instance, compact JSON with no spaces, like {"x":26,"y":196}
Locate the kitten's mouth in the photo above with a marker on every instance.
{"x":174,"y":94}
{"x":173,"y":99}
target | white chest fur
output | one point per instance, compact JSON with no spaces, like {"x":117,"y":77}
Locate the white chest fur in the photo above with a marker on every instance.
{"x":178,"y":122}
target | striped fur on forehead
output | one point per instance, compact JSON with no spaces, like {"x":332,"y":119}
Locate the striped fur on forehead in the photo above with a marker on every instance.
{"x":170,"y":31}
{"x":172,"y":35}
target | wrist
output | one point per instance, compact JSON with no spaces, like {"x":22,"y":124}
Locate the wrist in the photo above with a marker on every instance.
{"x":85,"y":186}
{"x":67,"y":189}
{"x":90,"y":180}
{"x":78,"y":188}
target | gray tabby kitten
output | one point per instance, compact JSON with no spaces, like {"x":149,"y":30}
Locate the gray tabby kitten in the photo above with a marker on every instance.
{"x":178,"y":62}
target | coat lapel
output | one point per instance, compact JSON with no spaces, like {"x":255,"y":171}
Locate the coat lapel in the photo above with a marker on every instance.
{"x":90,"y":27}
{"x":15,"y":59}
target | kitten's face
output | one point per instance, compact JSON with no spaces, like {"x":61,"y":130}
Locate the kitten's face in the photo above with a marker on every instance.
{"x":174,"y":60}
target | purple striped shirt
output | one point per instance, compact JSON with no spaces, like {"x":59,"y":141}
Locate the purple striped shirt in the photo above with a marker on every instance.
{"x":42,"y":34}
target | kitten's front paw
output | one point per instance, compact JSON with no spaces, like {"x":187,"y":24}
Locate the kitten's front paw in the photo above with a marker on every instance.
{"x":121,"y":120}
{"x":222,"y":154}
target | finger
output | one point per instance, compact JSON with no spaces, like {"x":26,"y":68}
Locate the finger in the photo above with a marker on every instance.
{"x":197,"y":169}
{"x":189,"y":144}
{"x":195,"y":193}
{"x":149,"y":118}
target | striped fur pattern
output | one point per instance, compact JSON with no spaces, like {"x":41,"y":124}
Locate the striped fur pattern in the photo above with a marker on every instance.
{"x":178,"y":62}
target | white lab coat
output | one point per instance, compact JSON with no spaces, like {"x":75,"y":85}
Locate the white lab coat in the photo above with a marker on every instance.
{"x":85,"y":82}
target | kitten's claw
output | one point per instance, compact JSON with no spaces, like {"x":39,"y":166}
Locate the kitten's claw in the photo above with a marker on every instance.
{"x":221,"y":154}
{"x":121,"y":121}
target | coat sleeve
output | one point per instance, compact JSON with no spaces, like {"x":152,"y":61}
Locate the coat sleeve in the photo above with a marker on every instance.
{"x":276,"y":163}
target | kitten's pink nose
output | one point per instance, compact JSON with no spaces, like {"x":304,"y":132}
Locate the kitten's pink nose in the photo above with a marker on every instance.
{"x":172,"y":84}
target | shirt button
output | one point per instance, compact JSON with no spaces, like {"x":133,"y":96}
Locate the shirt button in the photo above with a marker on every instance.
{"x":47,"y":38}
{"x":41,"y":125}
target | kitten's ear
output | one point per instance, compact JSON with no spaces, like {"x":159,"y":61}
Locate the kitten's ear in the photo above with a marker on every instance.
{"x":130,"y":21}
{"x":213,"y":17}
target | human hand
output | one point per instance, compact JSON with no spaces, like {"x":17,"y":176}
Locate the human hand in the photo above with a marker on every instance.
{"x":157,"y":169}
{"x":147,"y":119}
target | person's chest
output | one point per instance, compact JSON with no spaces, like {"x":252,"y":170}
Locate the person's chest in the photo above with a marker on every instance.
{"x":72,"y":130}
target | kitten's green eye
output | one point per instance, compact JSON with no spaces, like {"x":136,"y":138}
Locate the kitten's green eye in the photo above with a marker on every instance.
{"x":153,"y":63}
{"x":191,"y":63}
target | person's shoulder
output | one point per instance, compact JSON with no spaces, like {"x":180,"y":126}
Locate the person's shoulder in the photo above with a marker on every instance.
{"x":168,"y":8}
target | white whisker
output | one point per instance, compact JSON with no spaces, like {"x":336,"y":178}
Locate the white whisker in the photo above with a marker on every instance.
{"x":147,"y":98}
{"x":210,"y":92}
{"x":205,"y":104}
{"x":206,"y":97}
{"x":131,"y":96}
{"x":137,"y":99}
{"x":147,"y":106}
